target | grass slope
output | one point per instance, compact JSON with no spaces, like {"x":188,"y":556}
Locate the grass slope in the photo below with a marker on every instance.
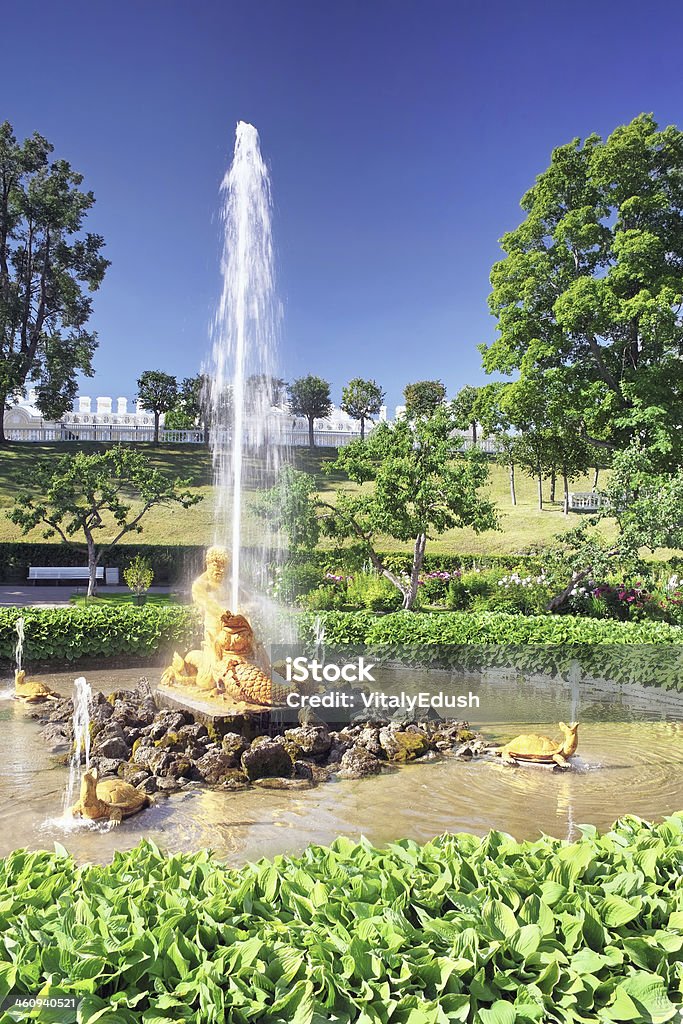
{"x":521,"y":527}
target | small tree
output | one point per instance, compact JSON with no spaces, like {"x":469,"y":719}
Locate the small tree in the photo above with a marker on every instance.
{"x":310,"y":397}
{"x":190,"y":409}
{"x":362,"y":399}
{"x":158,"y":393}
{"x":83,"y":496}
{"x":465,"y":406}
{"x":139,"y":576}
{"x":421,"y":485}
{"x":423,"y":398}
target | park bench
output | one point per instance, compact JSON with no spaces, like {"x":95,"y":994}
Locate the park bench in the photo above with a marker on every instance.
{"x":586,"y":501}
{"x":70,"y":573}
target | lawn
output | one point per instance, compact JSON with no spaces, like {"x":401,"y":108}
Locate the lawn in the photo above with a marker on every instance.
{"x":119,"y":599}
{"x":521,"y":527}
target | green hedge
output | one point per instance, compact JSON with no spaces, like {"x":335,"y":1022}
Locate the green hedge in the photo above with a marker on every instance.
{"x":487,"y":931}
{"x":642,"y":653}
{"x":485,"y":628}
{"x":69,"y":633}
{"x":171,"y":564}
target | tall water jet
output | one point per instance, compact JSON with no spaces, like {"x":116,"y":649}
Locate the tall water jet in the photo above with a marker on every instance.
{"x":19,"y":646}
{"x":245,"y":429}
{"x":81,"y":742}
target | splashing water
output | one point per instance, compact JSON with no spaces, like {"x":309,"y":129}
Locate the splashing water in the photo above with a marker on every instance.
{"x":246,"y":430}
{"x":319,"y":638}
{"x":81,"y":698}
{"x":19,"y":647}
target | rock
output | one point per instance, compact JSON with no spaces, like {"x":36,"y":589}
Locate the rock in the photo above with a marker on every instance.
{"x":143,"y":752}
{"x":167,"y":785}
{"x":280,"y":783}
{"x":159,"y":762}
{"x":147,"y":785}
{"x":131,"y":772}
{"x":56,"y":736}
{"x":358,"y":762}
{"x":194,"y":732}
{"x":131,"y":735}
{"x":307,"y":716}
{"x":369,"y":716}
{"x":321,"y":773}
{"x":234,"y":746}
{"x":267,"y":758}
{"x":369,"y":738}
{"x":338,"y":747}
{"x":303,"y":770}
{"x":214,"y":765}
{"x":107,"y":765}
{"x":309,"y":740}
{"x":111,"y":746}
{"x":403,"y":745}
{"x":234,"y":779}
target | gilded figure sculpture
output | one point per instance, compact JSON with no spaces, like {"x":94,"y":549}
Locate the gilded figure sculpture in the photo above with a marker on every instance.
{"x":230,"y":665}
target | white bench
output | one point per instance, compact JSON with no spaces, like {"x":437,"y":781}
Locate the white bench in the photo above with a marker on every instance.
{"x":586,"y":501}
{"x":70,"y":573}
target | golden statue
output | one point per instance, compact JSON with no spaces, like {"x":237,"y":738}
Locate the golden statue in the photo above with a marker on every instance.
{"x":231,"y":664}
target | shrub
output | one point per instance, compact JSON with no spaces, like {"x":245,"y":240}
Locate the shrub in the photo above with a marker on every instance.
{"x":294,"y":579}
{"x":139,"y":576}
{"x":463,"y":928}
{"x":77,"y":631}
{"x":369,"y":590}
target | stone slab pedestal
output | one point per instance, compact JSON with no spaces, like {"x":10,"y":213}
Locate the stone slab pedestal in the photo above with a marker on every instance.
{"x":224,"y":716}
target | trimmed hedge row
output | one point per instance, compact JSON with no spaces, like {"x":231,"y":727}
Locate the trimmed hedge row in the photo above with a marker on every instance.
{"x":171,"y":564}
{"x":477,"y":930}
{"x":408,"y":628}
{"x":79,"y":631}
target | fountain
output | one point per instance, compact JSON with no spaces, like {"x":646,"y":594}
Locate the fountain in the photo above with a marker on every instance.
{"x":81,"y":742}
{"x":231,"y":668}
{"x":19,"y":647}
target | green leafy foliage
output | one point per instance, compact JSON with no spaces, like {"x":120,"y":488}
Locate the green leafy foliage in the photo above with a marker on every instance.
{"x":139,"y":575}
{"x":362,"y":399}
{"x":69,"y":633}
{"x":85,"y":499}
{"x":481,"y":930}
{"x":47,"y":266}
{"x":591,"y":285}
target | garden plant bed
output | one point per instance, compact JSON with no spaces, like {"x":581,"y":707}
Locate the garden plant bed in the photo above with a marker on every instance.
{"x":461,"y":929}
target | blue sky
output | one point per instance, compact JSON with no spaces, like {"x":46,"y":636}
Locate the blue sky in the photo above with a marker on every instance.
{"x":400,"y":137}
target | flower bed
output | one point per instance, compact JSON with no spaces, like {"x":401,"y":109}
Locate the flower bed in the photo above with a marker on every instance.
{"x":460,"y":929}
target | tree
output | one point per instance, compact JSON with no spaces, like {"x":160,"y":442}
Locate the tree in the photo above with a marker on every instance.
{"x":158,"y":392}
{"x":46,"y":261}
{"x":415,"y":484}
{"x":139,"y":577}
{"x":273,"y":389}
{"x":190,"y":409}
{"x":310,"y":397}
{"x":465,"y":406}
{"x":646,"y":506}
{"x":88,"y":496}
{"x":592,"y":284}
{"x":362,"y":399}
{"x":423,"y":398}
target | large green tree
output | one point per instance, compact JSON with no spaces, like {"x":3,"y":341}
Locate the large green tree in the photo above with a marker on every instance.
{"x":592,"y":283}
{"x":423,"y":397}
{"x":415,"y":484}
{"x":86,"y":500}
{"x":47,"y":264}
{"x":362,"y":399}
{"x":158,"y":392}
{"x":310,"y":397}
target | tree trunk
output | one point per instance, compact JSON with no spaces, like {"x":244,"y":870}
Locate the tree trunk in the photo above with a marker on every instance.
{"x":552,"y":487}
{"x":3,"y":439}
{"x":596,"y":477}
{"x":156,"y":427}
{"x":474,"y":433}
{"x":540,"y":490}
{"x":92,"y":568}
{"x":565,"y":485}
{"x":311,"y":438}
{"x":418,"y":559}
{"x":513,"y":492}
{"x":362,"y":428}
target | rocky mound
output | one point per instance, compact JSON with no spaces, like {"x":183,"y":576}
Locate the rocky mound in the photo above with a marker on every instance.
{"x":164,"y":751}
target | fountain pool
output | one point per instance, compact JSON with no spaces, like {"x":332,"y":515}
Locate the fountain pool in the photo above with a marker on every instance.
{"x":630,"y":762}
